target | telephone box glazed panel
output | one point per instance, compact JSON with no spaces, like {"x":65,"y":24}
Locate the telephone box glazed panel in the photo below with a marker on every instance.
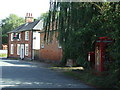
{"x":91,"y":59}
{"x":100,"y":53}
{"x":97,"y":58}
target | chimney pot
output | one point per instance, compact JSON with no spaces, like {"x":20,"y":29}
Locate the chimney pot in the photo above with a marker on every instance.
{"x":26,"y":14}
{"x":29,"y":14}
{"x":29,"y":17}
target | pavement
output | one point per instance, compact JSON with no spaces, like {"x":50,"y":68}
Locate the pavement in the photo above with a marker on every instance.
{"x":24,"y":74}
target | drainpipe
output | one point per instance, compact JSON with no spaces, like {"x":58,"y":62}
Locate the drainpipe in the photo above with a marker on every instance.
{"x":8,"y":51}
{"x":32,"y":46}
{"x":0,"y":36}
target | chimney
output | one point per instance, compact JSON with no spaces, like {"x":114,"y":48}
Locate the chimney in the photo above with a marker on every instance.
{"x":29,"y":18}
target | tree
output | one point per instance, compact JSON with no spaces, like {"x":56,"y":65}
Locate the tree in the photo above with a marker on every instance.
{"x":107,"y":24}
{"x":9,"y":24}
{"x":80,"y":24}
{"x":71,"y":19}
{"x":43,"y":16}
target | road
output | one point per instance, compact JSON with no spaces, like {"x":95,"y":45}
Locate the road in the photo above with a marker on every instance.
{"x":24,"y":74}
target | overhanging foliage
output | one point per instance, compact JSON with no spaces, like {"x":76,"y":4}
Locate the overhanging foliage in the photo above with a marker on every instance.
{"x":80,"y":24}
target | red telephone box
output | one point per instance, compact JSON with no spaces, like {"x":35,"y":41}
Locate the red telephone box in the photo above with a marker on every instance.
{"x":100,"y":52}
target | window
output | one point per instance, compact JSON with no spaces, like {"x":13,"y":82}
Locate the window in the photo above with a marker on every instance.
{"x":27,"y":35}
{"x":18,"y":49}
{"x":42,"y":44}
{"x":59,"y":46}
{"x":11,"y":36}
{"x":12,"y":49}
{"x":15,"y":36}
{"x":26,"y":50}
{"x":26,"y":24}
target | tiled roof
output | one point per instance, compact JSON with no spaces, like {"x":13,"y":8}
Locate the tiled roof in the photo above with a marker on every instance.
{"x":17,"y":29}
{"x":25,"y":27}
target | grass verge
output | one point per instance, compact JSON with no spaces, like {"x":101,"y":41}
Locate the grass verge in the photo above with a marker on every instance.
{"x":85,"y":77}
{"x":3,"y":55}
{"x":89,"y":77}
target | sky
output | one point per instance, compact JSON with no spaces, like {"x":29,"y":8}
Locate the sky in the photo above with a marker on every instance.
{"x":21,"y":7}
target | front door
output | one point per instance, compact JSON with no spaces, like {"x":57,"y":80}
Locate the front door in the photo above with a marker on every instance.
{"x":22,"y":51}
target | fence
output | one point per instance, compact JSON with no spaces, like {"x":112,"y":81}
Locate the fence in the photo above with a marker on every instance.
{"x":3,"y":53}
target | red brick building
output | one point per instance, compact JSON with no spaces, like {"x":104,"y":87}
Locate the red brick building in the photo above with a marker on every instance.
{"x":21,"y":43}
{"x":26,"y":42}
{"x":51,"y":50}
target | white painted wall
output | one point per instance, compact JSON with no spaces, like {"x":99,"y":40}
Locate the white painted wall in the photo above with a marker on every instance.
{"x":3,"y":52}
{"x":39,"y":25}
{"x":36,"y":40}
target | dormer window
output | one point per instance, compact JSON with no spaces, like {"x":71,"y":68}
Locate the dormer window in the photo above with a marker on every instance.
{"x":26,"y":24}
{"x":27,"y":35}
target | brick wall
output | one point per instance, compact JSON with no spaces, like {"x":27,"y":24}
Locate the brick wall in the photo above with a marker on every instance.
{"x":51,"y":51}
{"x":21,"y":41}
{"x":9,"y":39}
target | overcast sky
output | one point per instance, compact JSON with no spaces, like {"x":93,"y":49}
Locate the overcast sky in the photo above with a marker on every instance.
{"x":21,"y":7}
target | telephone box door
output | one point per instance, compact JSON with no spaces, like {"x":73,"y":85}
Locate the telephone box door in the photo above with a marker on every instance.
{"x":97,"y":59}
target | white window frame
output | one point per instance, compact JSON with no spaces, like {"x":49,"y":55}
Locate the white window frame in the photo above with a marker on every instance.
{"x":19,"y":37}
{"x":11,"y":36}
{"x":26,"y":35}
{"x":12,"y":49}
{"x":18,"y":49}
{"x":26,"y":49}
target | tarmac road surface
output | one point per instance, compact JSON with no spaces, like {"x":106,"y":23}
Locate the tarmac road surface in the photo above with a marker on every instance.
{"x":24,"y":74}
